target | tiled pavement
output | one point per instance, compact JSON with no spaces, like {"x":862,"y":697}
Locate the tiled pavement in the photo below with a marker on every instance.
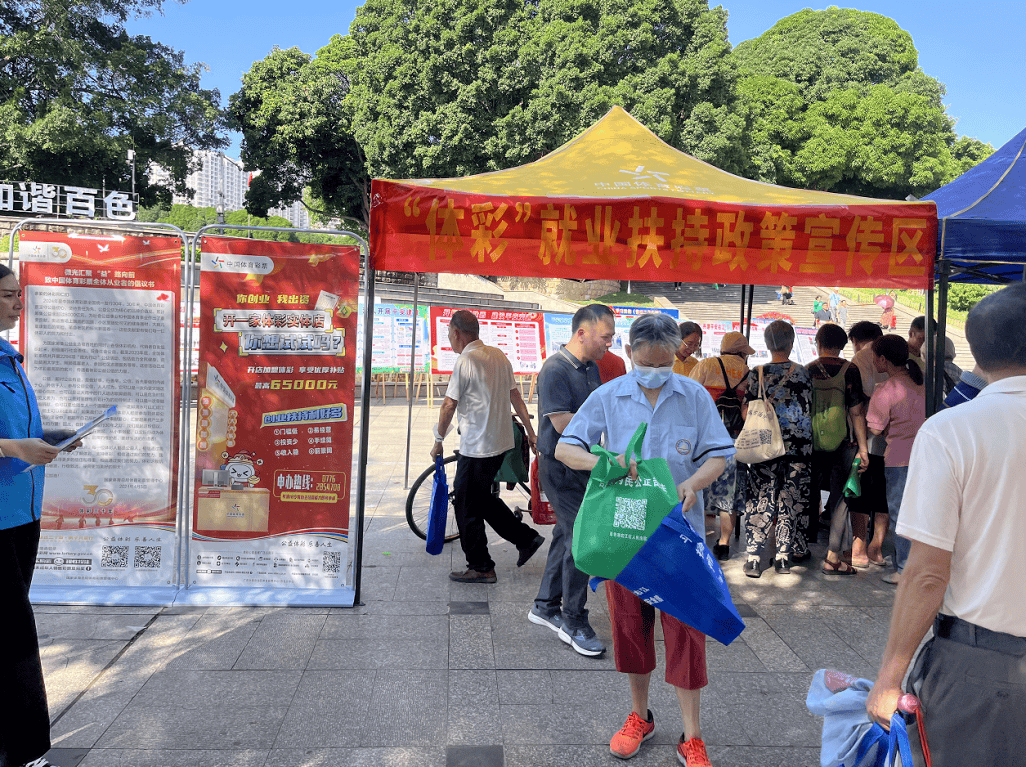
{"x":429,"y":673}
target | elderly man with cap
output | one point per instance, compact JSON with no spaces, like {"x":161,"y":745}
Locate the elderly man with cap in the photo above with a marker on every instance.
{"x":718,"y":374}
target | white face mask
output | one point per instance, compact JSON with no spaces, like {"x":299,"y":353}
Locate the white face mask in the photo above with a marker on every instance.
{"x":652,"y":378}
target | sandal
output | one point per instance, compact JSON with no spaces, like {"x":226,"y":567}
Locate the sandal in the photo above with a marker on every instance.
{"x":838,"y":568}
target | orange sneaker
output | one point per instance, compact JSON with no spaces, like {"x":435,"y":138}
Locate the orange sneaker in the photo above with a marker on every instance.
{"x":692,"y":753}
{"x":634,"y":732}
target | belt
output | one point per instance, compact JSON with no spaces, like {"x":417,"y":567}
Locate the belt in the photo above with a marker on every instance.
{"x":964,"y":632}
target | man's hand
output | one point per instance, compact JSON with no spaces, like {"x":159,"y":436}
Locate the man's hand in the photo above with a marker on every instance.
{"x":863,"y":455}
{"x":686,"y":495}
{"x":532,"y":440}
{"x":437,"y":450}
{"x":882,"y":703}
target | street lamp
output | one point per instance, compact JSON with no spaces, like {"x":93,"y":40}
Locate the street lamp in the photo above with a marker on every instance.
{"x":131,"y":159}
{"x":219,"y":209}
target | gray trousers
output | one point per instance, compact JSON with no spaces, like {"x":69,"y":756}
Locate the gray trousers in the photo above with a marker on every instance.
{"x":974,"y":705}
{"x":563,"y":587}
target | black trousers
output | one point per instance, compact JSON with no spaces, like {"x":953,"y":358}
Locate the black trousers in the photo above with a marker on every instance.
{"x":475,"y":504}
{"x":24,"y":718}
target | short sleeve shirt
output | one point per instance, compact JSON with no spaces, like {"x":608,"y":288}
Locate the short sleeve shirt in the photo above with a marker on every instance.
{"x":827,"y":367}
{"x":481,"y":381}
{"x":683,"y":427}
{"x":789,"y":387}
{"x":611,"y":366}
{"x":708,"y":373}
{"x":564,"y":383}
{"x":964,"y":481}
{"x":897,"y":408}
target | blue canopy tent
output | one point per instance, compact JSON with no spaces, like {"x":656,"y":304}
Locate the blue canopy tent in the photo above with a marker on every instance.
{"x":981,"y":235}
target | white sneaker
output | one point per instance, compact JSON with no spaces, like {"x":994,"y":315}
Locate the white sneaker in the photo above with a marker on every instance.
{"x":40,"y":762}
{"x":893,"y":578}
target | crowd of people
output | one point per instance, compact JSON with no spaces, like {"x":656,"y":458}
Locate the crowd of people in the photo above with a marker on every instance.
{"x":851,"y":414}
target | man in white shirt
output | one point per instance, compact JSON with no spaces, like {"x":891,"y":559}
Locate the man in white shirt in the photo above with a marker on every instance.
{"x":481,"y":390}
{"x":963,"y":510}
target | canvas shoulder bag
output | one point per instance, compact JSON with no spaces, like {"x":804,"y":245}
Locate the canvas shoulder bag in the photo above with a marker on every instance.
{"x":760,"y":439}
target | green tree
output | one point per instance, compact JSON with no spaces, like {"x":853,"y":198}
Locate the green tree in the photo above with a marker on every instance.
{"x":836,"y":101}
{"x":77,"y":92}
{"x":467,"y":86}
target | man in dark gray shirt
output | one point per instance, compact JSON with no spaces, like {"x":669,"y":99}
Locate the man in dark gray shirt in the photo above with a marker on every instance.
{"x":566,"y":380}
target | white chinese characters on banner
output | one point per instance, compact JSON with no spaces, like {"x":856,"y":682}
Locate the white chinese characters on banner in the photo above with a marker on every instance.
{"x":54,"y":199}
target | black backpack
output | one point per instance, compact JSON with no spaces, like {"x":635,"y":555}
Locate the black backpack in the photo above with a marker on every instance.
{"x":729,"y":406}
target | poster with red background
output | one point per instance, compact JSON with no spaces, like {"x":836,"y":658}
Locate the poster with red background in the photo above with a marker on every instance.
{"x":520,"y":335}
{"x":99,"y":329}
{"x":275,"y":408}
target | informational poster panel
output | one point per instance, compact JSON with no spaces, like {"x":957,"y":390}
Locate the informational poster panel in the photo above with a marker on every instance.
{"x":275,"y":429}
{"x":623,"y":317}
{"x":557,"y":331}
{"x":100,"y":328}
{"x":520,"y":335}
{"x":393,"y":335}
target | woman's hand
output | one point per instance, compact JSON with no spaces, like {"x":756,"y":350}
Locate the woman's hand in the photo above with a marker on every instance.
{"x":32,"y":450}
{"x":686,"y":495}
{"x":632,"y":470}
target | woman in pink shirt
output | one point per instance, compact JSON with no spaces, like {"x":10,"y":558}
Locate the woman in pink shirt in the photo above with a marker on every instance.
{"x":896,"y":409}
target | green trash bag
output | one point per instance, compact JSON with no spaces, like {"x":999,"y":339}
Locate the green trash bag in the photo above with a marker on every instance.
{"x":853,"y":487}
{"x":618,"y":514}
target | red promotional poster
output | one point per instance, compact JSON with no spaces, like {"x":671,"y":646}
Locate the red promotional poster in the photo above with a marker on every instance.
{"x":275,"y":407}
{"x":99,"y":329}
{"x":520,"y":335}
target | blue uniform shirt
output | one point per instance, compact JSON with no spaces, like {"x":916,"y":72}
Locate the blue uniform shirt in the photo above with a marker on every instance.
{"x":684,"y":427}
{"x":21,"y":493}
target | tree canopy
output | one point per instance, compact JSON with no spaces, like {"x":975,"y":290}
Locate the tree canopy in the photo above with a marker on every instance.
{"x":836,"y":101}
{"x":463,"y":86}
{"x":77,"y":92}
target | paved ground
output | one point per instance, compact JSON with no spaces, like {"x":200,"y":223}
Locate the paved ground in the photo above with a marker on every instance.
{"x":429,"y":673}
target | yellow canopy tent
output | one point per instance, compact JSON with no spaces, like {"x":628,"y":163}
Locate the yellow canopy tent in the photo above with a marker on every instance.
{"x":618,"y":203}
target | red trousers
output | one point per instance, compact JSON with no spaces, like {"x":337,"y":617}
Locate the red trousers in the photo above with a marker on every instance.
{"x":633,"y":624}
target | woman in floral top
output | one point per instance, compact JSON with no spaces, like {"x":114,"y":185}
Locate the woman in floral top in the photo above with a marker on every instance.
{"x":781,"y":488}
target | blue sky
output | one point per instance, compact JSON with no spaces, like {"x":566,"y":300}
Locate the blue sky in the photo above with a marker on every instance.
{"x":975,"y":49}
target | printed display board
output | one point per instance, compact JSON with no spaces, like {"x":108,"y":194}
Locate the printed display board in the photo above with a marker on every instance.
{"x":624,"y":316}
{"x":520,"y":335}
{"x":100,"y":328}
{"x":393,"y":334}
{"x":275,"y":429}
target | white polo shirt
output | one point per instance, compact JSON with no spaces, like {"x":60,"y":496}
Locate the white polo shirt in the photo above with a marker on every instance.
{"x":481,"y":381}
{"x":966,"y":493}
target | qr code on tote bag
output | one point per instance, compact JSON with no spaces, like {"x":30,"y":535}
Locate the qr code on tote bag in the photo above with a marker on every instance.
{"x":630,"y":513}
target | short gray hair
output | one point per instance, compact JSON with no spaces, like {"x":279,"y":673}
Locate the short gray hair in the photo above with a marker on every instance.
{"x":779,"y":336}
{"x":465,"y":322}
{"x":655,"y":328}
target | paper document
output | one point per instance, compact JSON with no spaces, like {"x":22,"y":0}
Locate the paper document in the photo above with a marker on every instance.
{"x":108,"y":413}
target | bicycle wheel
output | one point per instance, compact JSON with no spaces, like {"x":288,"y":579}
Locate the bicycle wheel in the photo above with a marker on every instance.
{"x":418,"y":502}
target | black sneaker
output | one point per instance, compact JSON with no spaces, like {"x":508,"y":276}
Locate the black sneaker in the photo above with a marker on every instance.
{"x":528,"y":551}
{"x":782,"y":566}
{"x":722,"y":551}
{"x":751,"y":568}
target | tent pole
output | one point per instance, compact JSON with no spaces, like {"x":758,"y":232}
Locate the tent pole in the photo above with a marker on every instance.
{"x":751,"y":298}
{"x":939,"y":344}
{"x":931,"y":398}
{"x":365,"y":398}
{"x":413,"y":375}
{"x":744,"y":288}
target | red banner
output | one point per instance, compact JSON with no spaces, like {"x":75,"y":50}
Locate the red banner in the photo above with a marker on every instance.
{"x":275,"y":430}
{"x":419,"y":229}
{"x":100,"y":329}
{"x":520,"y":335}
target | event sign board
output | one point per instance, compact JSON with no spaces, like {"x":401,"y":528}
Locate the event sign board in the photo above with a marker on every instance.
{"x":393,"y":334}
{"x":100,"y":328}
{"x":520,"y":335}
{"x":623,"y":317}
{"x":275,"y":418}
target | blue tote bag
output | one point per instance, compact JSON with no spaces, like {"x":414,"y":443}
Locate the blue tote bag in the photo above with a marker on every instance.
{"x":676,"y":572}
{"x":439,"y":509}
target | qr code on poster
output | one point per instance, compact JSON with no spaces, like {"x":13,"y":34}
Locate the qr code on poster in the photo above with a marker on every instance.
{"x":114,"y":556}
{"x":332,"y":561}
{"x":147,"y":556}
{"x":630,"y":513}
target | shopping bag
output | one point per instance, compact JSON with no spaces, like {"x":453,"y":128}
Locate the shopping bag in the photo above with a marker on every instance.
{"x":542,"y":512}
{"x":676,"y":572}
{"x":853,"y":487}
{"x":760,"y":439}
{"x":439,"y":511}
{"x":850,"y":738}
{"x":618,"y":514}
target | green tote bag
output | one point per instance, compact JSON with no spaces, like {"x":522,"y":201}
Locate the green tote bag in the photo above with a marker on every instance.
{"x":618,"y":514}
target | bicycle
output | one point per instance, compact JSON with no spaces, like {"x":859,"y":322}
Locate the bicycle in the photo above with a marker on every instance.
{"x":513,"y":474}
